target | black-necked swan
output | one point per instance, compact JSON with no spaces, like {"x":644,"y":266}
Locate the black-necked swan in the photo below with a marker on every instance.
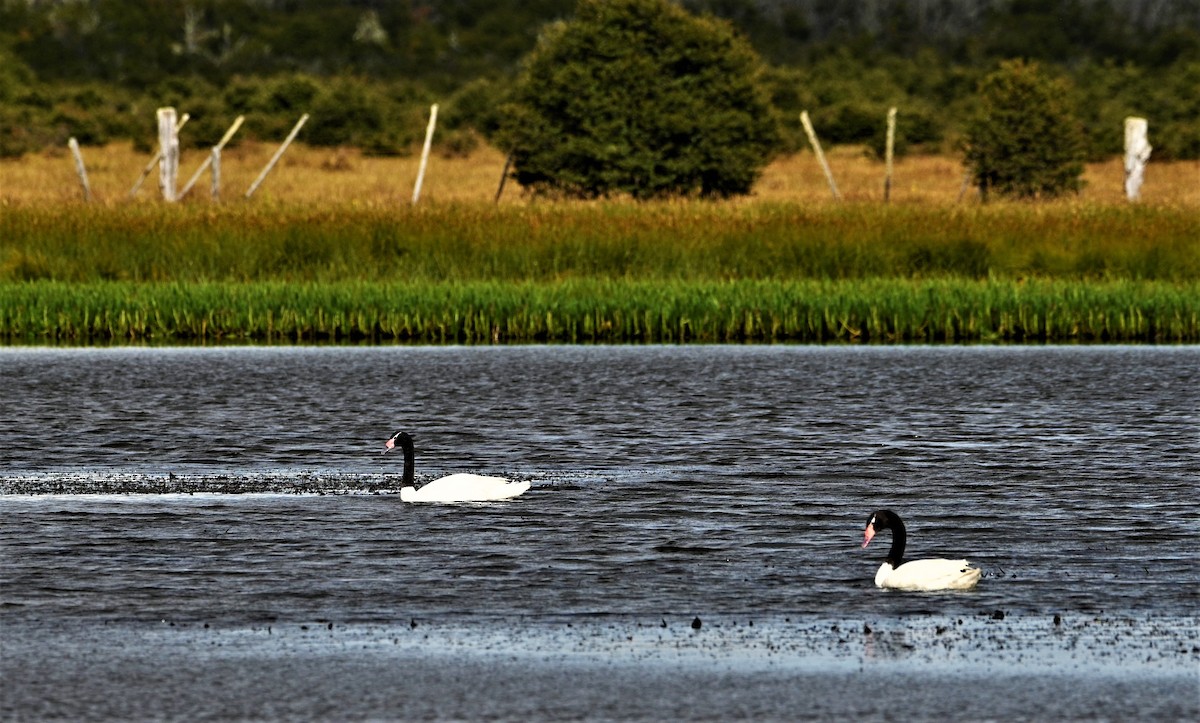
{"x":454,"y":488}
{"x":933,"y":574}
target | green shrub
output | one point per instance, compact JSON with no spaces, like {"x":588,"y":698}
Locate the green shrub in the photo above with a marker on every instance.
{"x":639,"y":97}
{"x":1025,"y":141}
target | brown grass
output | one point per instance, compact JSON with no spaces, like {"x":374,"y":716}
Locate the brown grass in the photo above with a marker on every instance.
{"x":338,"y":176}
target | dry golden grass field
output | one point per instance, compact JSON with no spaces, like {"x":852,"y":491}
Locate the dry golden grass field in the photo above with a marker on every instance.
{"x":339,"y":176}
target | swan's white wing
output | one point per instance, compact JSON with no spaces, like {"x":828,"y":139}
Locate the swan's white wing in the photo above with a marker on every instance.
{"x":465,"y":487}
{"x":935,"y":574}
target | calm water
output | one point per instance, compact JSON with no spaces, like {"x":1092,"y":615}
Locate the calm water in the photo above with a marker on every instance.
{"x":242,"y":490}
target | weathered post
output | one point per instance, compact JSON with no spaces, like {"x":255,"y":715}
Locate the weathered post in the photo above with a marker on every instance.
{"x":425,"y":153}
{"x":80,"y":169}
{"x":168,"y":146}
{"x":154,"y":161}
{"x":812,"y":139}
{"x":207,"y":161}
{"x":889,"y":154}
{"x":275,"y":159}
{"x":504,"y":176}
{"x":1137,"y":153}
{"x":216,"y":173}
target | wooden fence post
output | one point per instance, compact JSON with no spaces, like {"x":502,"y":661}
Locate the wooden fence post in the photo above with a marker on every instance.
{"x":504,"y":176}
{"x":275,"y":159}
{"x":812,"y":138}
{"x":889,"y":154}
{"x":168,"y":145}
{"x":207,"y":161}
{"x":425,"y":153}
{"x":80,"y":169}
{"x":215,"y":190}
{"x":154,"y":161}
{"x":1137,"y":153}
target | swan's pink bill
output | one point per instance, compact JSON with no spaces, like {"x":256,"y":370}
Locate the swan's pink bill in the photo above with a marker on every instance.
{"x":869,"y":533}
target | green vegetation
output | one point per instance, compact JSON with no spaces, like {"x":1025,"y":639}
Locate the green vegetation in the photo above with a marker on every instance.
{"x":367,"y":72}
{"x":592,"y":310}
{"x":640,"y":98}
{"x":549,"y":242}
{"x":1025,"y":141}
{"x":606,"y":272}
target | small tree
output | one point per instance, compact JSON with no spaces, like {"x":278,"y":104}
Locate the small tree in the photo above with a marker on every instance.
{"x":1025,"y":141}
{"x":639,"y":97}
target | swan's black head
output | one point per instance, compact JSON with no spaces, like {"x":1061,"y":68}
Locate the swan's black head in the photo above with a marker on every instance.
{"x":399,"y":438}
{"x":879,"y":521}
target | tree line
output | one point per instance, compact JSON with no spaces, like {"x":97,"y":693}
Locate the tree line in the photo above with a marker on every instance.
{"x":367,"y":69}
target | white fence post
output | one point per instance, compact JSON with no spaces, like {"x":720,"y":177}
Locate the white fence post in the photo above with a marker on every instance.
{"x":216,"y":173}
{"x":154,"y":161}
{"x":207,"y":161}
{"x":80,"y":169}
{"x":1137,"y":153}
{"x":168,"y":145}
{"x":275,"y":159}
{"x":812,"y":138}
{"x":425,"y":153}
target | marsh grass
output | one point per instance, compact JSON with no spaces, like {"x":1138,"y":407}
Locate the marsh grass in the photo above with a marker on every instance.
{"x":332,"y":250}
{"x":594,"y":310}
{"x":551,"y":242}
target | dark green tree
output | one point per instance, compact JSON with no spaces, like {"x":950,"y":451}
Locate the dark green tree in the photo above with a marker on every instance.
{"x":640,"y":97}
{"x":1025,"y":140}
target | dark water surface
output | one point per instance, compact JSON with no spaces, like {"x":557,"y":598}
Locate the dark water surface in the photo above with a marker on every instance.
{"x":212,"y":533}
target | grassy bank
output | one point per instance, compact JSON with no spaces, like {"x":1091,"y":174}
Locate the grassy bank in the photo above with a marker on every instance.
{"x":333,"y":250}
{"x":616,"y":311}
{"x":553,"y":241}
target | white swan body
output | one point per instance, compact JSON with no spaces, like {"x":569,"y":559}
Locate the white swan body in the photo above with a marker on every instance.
{"x":931,"y":574}
{"x":464,"y":487}
{"x":460,"y":487}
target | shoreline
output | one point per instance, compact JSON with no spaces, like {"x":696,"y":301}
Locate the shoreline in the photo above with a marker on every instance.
{"x":732,"y":667}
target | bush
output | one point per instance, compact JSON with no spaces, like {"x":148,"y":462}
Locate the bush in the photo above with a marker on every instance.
{"x":1025,"y":141}
{"x":639,"y":97}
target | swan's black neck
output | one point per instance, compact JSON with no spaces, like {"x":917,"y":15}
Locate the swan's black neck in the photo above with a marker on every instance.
{"x":406,"y":444}
{"x":899,"y":539}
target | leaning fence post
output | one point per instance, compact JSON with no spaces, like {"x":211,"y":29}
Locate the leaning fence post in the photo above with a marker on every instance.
{"x":154,"y":161}
{"x":504,"y":176}
{"x":207,"y":161}
{"x":275,"y":159}
{"x":80,"y":169}
{"x":1137,"y":153}
{"x":168,"y":144}
{"x":425,"y":152}
{"x":889,"y":154}
{"x":812,"y":138}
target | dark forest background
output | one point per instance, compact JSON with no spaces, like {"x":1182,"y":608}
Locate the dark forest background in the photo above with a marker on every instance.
{"x":367,"y":70}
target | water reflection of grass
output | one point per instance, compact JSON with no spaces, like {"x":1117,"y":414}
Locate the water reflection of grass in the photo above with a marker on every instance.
{"x":597,"y":310}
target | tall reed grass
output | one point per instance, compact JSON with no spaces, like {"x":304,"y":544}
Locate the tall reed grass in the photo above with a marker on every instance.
{"x":550,"y":242}
{"x":603,"y":310}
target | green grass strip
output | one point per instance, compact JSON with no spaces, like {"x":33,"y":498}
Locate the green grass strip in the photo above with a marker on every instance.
{"x":603,"y":311}
{"x":546,"y":243}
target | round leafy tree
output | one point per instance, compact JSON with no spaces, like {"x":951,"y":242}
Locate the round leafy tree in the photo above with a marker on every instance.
{"x":639,"y":97}
{"x":1025,"y":142}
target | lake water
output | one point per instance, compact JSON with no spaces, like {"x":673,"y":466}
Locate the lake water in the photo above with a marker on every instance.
{"x":213,"y":532}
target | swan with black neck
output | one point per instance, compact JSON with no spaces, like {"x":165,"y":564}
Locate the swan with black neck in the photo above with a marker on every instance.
{"x":461,"y":487}
{"x":929,"y":574}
